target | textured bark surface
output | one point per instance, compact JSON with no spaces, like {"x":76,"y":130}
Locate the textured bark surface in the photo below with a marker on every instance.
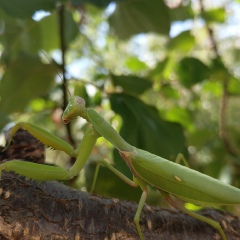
{"x":24,"y":146}
{"x":50,"y":210}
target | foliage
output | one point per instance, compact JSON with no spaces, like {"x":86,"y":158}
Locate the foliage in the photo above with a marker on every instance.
{"x":165,"y":91}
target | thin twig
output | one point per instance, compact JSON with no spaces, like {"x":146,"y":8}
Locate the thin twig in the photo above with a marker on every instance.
{"x":63,"y":64}
{"x":223,"y":132}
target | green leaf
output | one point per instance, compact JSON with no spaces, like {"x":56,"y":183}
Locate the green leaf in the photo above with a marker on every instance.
{"x":141,"y":16}
{"x":181,"y":13}
{"x":182,"y":42}
{"x":218,"y":69}
{"x":234,"y":86}
{"x":98,"y":3}
{"x":159,"y":69}
{"x":131,"y":84}
{"x":214,"y":88}
{"x":143,"y":127}
{"x":199,"y":137}
{"x":191,"y":71}
{"x":29,"y":36}
{"x":50,"y":30}
{"x":168,"y":91}
{"x":97,"y":98}
{"x":179,"y":115}
{"x":81,"y":91}
{"x":25,"y":79}
{"x":215,"y":15}
{"x":26,"y":8}
{"x":135,"y":65}
{"x":18,"y":35}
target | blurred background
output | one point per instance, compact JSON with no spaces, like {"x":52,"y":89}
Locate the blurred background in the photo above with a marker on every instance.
{"x":165,"y":74}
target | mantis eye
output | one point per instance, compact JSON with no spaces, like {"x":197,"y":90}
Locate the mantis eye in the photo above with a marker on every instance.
{"x":65,"y":121}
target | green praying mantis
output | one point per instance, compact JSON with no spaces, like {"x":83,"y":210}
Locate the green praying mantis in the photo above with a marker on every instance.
{"x":175,"y":182}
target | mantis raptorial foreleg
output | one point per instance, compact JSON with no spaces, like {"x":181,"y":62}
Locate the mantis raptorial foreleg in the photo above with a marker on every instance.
{"x":43,"y":136}
{"x":44,"y":172}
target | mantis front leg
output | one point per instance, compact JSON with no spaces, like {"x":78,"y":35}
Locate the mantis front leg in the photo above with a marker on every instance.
{"x":44,"y":172}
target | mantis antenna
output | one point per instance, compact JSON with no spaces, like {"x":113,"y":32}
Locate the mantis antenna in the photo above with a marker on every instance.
{"x":57,"y":72}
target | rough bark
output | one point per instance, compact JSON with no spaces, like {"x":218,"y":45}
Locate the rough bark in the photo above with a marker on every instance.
{"x":50,"y":210}
{"x":23,"y":146}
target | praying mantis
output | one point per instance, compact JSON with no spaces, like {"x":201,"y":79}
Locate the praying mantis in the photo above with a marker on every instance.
{"x":175,"y":182}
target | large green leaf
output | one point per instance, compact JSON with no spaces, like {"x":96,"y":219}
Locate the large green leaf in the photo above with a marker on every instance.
{"x":180,"y":115}
{"x":26,"y":8}
{"x":143,"y":127}
{"x":212,"y":87}
{"x":50,"y":30}
{"x":214,"y":15}
{"x":191,"y":71}
{"x":199,"y":137}
{"x":81,"y":91}
{"x":182,"y":42}
{"x":24,"y":79}
{"x":181,"y":13}
{"x":98,"y":3}
{"x":131,"y":84}
{"x":135,"y":65}
{"x":18,"y":35}
{"x":234,"y":86}
{"x":29,"y":36}
{"x":140,"y":16}
{"x":158,"y":71}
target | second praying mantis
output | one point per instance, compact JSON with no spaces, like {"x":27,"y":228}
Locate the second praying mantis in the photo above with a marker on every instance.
{"x":174,"y":181}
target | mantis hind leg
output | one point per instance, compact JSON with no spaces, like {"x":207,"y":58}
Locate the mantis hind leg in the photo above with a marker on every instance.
{"x":174,"y":202}
{"x":180,"y":157}
{"x":95,"y":177}
{"x":140,"y":207}
{"x":42,"y":172}
{"x":115,"y":171}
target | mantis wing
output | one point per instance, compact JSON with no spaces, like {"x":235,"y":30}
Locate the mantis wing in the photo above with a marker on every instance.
{"x":185,"y":183}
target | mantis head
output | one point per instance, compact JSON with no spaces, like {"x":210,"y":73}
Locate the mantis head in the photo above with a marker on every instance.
{"x":76,"y":107}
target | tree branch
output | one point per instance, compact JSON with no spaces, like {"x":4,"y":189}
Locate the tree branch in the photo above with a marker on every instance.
{"x":50,"y":210}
